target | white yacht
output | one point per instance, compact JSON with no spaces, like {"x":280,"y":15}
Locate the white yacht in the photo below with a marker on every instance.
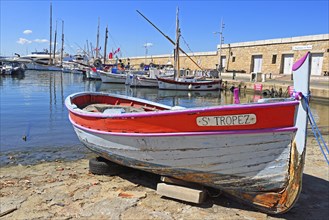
{"x":40,"y":61}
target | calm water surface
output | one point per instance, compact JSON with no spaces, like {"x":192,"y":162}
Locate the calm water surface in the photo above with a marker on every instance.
{"x":34,"y":123}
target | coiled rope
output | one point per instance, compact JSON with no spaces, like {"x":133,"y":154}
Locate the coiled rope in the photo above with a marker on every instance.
{"x":317,"y":134}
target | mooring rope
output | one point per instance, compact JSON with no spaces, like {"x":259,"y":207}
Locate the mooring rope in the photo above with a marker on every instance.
{"x":317,"y":134}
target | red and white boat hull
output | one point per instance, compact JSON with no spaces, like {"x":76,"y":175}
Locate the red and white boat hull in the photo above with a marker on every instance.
{"x":250,"y":157}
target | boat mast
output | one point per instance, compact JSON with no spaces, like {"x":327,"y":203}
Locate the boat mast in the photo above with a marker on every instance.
{"x":106,"y":36}
{"x":88,"y":48}
{"x":168,"y":38}
{"x":176,"y":53}
{"x":92,"y":51}
{"x":97,"y":40}
{"x":51,"y":14}
{"x":221,"y":40}
{"x":55,"y":41}
{"x":62,"y":49}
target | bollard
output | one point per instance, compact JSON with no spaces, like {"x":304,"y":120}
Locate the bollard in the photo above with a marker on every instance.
{"x":236,"y":96}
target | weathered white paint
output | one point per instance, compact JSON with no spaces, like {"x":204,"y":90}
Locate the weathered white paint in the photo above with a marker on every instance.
{"x":246,"y":156}
{"x":301,"y":84}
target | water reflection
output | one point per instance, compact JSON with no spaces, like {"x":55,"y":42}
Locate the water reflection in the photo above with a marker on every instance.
{"x":34,"y":117}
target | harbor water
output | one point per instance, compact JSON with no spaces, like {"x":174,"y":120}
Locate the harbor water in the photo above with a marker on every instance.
{"x":34,"y":124}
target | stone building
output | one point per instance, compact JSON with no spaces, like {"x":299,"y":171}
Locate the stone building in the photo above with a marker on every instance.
{"x":274,"y":56}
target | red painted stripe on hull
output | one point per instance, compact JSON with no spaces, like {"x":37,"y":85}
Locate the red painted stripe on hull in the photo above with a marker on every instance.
{"x":278,"y":117}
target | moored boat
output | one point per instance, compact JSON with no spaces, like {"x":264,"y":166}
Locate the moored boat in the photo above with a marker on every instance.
{"x":146,"y":78}
{"x":179,"y":82}
{"x":40,"y":61}
{"x":192,"y":84}
{"x":254,"y":152}
{"x":91,"y":73}
{"x":8,"y":67}
{"x":112,"y":77}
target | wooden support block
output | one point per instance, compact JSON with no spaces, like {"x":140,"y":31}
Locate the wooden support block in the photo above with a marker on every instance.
{"x":175,"y":181}
{"x":182,"y":193}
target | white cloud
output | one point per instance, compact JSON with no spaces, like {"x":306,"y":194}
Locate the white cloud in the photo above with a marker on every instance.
{"x":41,"y":40}
{"x":27,"y":32}
{"x":23,"y":41}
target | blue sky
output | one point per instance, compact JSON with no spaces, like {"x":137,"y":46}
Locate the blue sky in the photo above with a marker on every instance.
{"x":24,"y":25}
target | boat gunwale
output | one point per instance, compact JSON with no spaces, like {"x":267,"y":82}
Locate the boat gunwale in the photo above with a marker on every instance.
{"x":168,"y":110}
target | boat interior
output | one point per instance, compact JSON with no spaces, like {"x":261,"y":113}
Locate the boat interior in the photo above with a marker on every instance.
{"x":109,"y":104}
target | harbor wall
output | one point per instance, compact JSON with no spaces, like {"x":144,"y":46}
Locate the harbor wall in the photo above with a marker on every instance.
{"x":273,"y":56}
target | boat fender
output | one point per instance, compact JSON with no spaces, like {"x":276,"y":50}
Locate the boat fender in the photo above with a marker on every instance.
{"x":266,"y":92}
{"x":97,"y":63}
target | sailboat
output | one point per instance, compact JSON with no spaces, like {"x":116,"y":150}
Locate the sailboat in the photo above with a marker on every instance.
{"x":182,"y":82}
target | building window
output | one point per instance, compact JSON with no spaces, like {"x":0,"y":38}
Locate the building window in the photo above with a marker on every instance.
{"x":233,"y":59}
{"x":274,"y":58}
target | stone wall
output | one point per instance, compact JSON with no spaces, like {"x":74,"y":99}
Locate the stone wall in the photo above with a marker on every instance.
{"x":239,"y":56}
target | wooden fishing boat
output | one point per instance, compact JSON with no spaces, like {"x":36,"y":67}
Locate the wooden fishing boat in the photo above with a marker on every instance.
{"x":254,"y":152}
{"x":112,"y":76}
{"x":142,"y":78}
{"x":91,"y":73}
{"x":192,"y":84}
{"x":146,"y":78}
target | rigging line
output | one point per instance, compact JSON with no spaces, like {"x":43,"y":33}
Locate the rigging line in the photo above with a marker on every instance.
{"x":312,"y":121}
{"x":187,"y":45}
{"x":169,"y":39}
{"x":317,"y":139}
{"x":316,"y":131}
{"x":116,"y":45}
